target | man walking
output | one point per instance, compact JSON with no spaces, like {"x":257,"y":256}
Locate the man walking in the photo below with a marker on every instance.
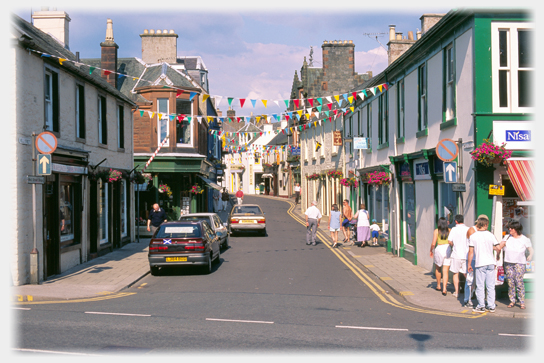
{"x":297,"y":193}
{"x":481,"y":245}
{"x":224,"y":199}
{"x":157,"y":216}
{"x":240,"y":196}
{"x":313,"y":218}
{"x":457,"y":239}
{"x":347,"y":213}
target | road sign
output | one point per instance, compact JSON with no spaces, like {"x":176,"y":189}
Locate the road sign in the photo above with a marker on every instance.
{"x":360,"y":143}
{"x":459,"y":187}
{"x":31,"y":179}
{"x":450,"y":172}
{"x":46,"y":143}
{"x":447,"y":150}
{"x":44,"y":164}
{"x":496,"y":189}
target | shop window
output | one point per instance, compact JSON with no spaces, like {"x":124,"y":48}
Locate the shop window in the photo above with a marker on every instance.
{"x":103,"y":213}
{"x":409,"y":210}
{"x":123,"y":208}
{"x":447,"y":202}
{"x":66,"y":205}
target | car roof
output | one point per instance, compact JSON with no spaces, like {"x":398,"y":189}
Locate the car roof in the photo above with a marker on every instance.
{"x":198,"y":215}
{"x":181,"y":223}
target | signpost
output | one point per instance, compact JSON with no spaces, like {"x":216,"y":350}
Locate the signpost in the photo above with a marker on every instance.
{"x":447,"y":150}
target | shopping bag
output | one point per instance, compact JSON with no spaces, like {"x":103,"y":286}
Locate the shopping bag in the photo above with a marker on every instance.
{"x":499,"y":272}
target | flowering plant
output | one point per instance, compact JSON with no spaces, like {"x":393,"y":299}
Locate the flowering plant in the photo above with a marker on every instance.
{"x":334,"y":174}
{"x":196,"y":189}
{"x":163,"y":188}
{"x":268,"y":165}
{"x":379,"y":178}
{"x":349,"y":182}
{"x":314,"y":176}
{"x":114,"y":175}
{"x":488,"y":153}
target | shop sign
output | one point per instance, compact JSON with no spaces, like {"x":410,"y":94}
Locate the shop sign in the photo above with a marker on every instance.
{"x":421,"y":170}
{"x":496,"y":189}
{"x":516,"y":134}
{"x":337,"y":138}
{"x":68,"y":169}
{"x":360,"y":143}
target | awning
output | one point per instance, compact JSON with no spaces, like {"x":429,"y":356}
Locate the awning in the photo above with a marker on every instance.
{"x":210,"y":183}
{"x":267,"y":176}
{"x":521,"y":173}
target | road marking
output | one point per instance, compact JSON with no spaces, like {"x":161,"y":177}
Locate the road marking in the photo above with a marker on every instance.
{"x":121,"y":314}
{"x":369,"y":328}
{"x":53,"y":352}
{"x":516,"y":335}
{"x":242,"y":321}
{"x":21,"y":308}
{"x":98,"y":298}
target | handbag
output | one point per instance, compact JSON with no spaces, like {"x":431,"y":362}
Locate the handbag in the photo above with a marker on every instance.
{"x":499,"y":273}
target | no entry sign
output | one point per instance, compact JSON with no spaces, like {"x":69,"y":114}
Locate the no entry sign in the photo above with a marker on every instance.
{"x":46,"y":143}
{"x":447,"y":150}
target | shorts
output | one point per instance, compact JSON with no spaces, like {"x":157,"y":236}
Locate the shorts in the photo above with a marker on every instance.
{"x":345,"y":222}
{"x":458,"y":265}
{"x":334,"y":229}
{"x":375,"y":234}
{"x":442,"y":255}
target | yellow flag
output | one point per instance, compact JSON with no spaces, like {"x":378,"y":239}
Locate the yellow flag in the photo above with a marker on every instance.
{"x":205,"y":97}
{"x":264,"y":102}
{"x":337,"y":98}
{"x":380,"y":87}
{"x":350,"y":99}
{"x":61,"y":60}
{"x":299,"y":112}
{"x":352,"y":108}
{"x":258,"y":118}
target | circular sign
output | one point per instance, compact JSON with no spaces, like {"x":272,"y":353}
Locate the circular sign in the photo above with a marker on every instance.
{"x":46,"y":143}
{"x":447,"y":150}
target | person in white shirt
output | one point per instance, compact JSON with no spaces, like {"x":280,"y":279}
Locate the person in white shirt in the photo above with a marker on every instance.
{"x":459,"y":243}
{"x":313,"y":218}
{"x":515,"y":245}
{"x":297,"y":193}
{"x":375,"y":230}
{"x":481,"y":244}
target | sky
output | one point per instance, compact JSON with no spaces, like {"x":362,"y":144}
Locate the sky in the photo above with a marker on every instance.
{"x":250,"y":52}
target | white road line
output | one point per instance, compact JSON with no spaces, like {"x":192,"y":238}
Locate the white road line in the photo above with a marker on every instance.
{"x":52,"y":352}
{"x":515,"y":335}
{"x":101,"y":313}
{"x":21,"y":308}
{"x":367,"y":328}
{"x":242,"y":321}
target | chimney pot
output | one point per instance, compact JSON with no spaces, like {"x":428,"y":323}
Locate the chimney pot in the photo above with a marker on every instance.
{"x":146,"y":31}
{"x":159,"y":31}
{"x":391,"y":32}
{"x":410,"y":35}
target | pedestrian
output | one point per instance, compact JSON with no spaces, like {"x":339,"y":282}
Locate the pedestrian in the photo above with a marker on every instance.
{"x":157,"y":216}
{"x":515,"y":245}
{"x":458,"y":242}
{"x":216,"y":200}
{"x":225,"y":199}
{"x":347,"y":215}
{"x":334,"y":224}
{"x":481,"y":244}
{"x":297,"y":193}
{"x":441,"y":252}
{"x":375,"y":230}
{"x":363,"y":225}
{"x":240,"y":196}
{"x":313,"y":218}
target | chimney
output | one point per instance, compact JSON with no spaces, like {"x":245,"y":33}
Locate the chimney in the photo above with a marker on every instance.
{"x":54,"y":23}
{"x":159,"y":46}
{"x":108,"y":58}
{"x":338,"y":63}
{"x":428,"y":20}
{"x":398,"y":44}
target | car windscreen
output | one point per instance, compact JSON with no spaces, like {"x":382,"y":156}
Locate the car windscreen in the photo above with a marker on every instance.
{"x":247,"y":209}
{"x":194,"y":218}
{"x":174,"y":231}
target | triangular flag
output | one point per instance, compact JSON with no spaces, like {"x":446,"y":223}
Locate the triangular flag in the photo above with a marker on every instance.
{"x":386,"y":86}
{"x":107,"y":73}
{"x":311,"y":102}
{"x":264,"y":103}
{"x":296,"y":103}
{"x":350,"y":98}
{"x":91,"y":69}
{"x":329,"y":98}
{"x":286,"y":103}
{"x":61,"y":60}
{"x":178,"y":93}
{"x":337,"y":98}
{"x":230,"y":100}
{"x":242,"y":101}
{"x":218,"y":100}
{"x":205,"y":97}
{"x":329,"y":105}
{"x":320,"y":100}
{"x":192,"y":95}
{"x":380,"y":88}
{"x":253,"y":102}
{"x":277,"y":103}
{"x":141,"y":113}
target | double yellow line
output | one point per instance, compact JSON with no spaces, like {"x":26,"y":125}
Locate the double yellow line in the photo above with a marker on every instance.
{"x":369,"y":282}
{"x":104,"y":296}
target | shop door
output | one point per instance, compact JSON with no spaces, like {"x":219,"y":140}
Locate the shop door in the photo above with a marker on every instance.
{"x":409,"y":209}
{"x":51,"y":227}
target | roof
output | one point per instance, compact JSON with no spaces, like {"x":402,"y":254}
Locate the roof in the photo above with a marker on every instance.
{"x":30,"y":37}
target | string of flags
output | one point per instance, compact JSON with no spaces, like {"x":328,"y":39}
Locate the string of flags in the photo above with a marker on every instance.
{"x":303,"y":106}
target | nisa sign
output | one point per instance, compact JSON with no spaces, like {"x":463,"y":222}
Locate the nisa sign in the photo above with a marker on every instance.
{"x":518,"y":135}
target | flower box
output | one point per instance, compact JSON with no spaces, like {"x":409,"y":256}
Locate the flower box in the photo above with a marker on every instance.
{"x":488,"y":153}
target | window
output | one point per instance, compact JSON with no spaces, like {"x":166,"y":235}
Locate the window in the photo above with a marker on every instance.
{"x":400,"y":109}
{"x":103,"y":213}
{"x":383,"y":119}
{"x":422,"y":93}
{"x":80,"y":111}
{"x":512,"y":66}
{"x":51,"y":98}
{"x":369,"y":125}
{"x":162,"y":121}
{"x":120,"y":127}
{"x":124,"y":220}
{"x":66,"y":205}
{"x":183,"y":128}
{"x":102,"y":121}
{"x":449,"y":83}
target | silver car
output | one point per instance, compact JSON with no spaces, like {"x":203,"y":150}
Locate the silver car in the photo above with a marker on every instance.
{"x":247,"y":217}
{"x":215,"y":222}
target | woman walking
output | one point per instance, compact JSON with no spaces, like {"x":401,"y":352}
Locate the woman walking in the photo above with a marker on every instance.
{"x":334,"y":224}
{"x":515,"y":244}
{"x":440,"y":252}
{"x":363,"y":225}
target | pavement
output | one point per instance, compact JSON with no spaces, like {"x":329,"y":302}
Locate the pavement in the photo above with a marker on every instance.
{"x":124,"y":267}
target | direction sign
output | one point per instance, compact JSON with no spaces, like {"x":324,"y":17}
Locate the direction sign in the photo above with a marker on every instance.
{"x":450,"y":172}
{"x":31,"y":179}
{"x":447,"y":150}
{"x":44,"y":164}
{"x":496,"y":189}
{"x":46,"y":143}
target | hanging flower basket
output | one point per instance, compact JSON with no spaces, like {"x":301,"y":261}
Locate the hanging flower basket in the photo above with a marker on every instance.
{"x":489,"y":153}
{"x":349,"y":182}
{"x":334,"y":174}
{"x":140,"y":178}
{"x":163,"y":188}
{"x":314,"y":176}
{"x":379,"y":178}
{"x":196,"y":189}
{"x":114,"y":175}
{"x":103,"y":175}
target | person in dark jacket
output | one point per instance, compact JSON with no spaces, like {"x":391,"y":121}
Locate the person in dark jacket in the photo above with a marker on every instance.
{"x":157,"y":216}
{"x":225,"y":199}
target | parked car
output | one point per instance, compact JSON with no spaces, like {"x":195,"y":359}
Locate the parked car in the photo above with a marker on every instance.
{"x":214,"y":220}
{"x":247,"y":217}
{"x":187,"y":243}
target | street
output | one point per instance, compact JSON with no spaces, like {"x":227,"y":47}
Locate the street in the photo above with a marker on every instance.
{"x":267,"y":294}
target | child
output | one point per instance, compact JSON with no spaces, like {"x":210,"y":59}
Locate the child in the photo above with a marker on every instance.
{"x":375,"y":229}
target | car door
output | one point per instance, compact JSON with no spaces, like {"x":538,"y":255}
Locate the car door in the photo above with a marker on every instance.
{"x":219,"y":227}
{"x":212,"y":238}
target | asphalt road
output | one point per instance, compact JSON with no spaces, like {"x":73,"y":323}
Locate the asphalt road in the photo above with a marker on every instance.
{"x":267,"y":294}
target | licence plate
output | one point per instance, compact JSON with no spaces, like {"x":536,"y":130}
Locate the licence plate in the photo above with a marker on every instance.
{"x":247,"y":221}
{"x":176,"y":259}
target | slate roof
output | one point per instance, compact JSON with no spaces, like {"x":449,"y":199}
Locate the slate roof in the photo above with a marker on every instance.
{"x":30,"y":37}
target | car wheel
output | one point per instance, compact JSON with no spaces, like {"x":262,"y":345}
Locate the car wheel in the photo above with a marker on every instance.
{"x":208,"y":267}
{"x":263,"y":232}
{"x":154,"y":270}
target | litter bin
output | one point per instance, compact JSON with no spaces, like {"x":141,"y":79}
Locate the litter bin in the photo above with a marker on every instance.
{"x":257,"y":190}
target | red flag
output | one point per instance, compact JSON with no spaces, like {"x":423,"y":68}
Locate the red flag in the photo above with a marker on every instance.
{"x":329,"y":105}
{"x":242,"y":101}
{"x":296,"y":103}
{"x":385,"y":86}
{"x":107,"y":73}
{"x":311,"y":101}
{"x":179,"y":92}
